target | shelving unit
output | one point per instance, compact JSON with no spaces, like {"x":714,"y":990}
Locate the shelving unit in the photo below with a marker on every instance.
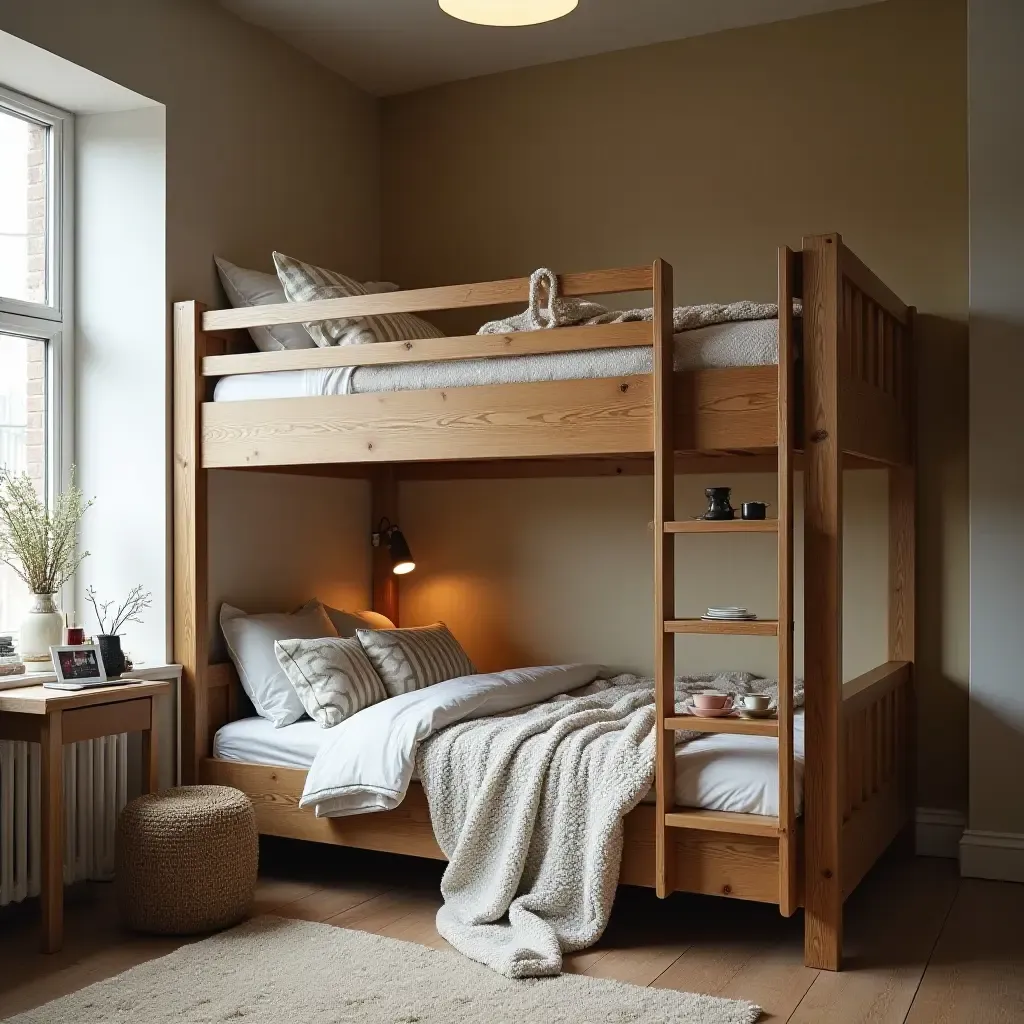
{"x":724,"y":627}
{"x":736,"y":725}
{"x":667,"y":626}
{"x":723,"y":526}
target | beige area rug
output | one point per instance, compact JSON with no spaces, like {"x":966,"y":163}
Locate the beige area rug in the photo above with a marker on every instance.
{"x":273,"y":971}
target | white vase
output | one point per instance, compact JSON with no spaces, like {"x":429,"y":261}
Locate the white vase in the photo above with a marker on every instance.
{"x":42,"y":629}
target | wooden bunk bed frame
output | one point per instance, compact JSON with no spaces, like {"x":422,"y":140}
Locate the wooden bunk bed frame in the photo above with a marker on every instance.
{"x":852,"y":405}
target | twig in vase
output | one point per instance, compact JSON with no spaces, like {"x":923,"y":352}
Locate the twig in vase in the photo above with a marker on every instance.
{"x":111,"y":623}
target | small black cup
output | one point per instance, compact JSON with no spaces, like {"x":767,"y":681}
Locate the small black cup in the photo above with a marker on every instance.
{"x":754,"y":509}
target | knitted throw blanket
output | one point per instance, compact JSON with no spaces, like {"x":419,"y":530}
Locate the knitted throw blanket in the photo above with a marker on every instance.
{"x":548,"y":309}
{"x":528,"y":808}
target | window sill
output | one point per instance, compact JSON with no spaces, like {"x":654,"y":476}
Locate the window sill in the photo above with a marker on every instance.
{"x":172,"y":672}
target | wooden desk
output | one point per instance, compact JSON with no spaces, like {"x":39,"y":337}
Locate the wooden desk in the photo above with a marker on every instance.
{"x":52,"y":718}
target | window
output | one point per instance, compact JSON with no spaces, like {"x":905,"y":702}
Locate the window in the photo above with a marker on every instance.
{"x":35,"y":276}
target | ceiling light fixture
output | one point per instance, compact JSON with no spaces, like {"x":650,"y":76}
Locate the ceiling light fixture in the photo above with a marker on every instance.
{"x":506,"y":13}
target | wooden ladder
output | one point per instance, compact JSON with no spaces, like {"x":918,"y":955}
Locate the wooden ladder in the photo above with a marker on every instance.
{"x":667,"y":626}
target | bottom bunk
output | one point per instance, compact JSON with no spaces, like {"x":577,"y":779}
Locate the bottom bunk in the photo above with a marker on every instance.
{"x":717,"y":772}
{"x":724,"y":838}
{"x":708,"y":860}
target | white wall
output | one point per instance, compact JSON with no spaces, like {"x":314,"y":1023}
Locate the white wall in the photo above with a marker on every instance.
{"x":120,"y":363}
{"x":997,"y":436}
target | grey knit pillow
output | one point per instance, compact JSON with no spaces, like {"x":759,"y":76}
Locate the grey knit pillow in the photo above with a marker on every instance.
{"x":411,"y":659}
{"x":302,"y":282}
{"x":332,"y":677}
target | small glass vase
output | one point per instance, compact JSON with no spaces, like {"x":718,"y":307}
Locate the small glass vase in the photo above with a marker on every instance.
{"x":42,"y":629}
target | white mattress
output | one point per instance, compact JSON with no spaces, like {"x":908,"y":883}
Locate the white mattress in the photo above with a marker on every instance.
{"x":743,"y":343}
{"x":717,"y":772}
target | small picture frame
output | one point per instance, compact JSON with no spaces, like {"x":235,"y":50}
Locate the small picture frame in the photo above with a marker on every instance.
{"x":81,"y":664}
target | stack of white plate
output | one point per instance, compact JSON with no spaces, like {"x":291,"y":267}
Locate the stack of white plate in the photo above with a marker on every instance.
{"x":731,"y":613}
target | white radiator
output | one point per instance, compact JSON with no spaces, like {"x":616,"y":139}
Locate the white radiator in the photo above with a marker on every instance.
{"x":95,"y":790}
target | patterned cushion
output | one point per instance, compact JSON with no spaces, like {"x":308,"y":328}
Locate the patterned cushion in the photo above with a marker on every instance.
{"x":331,"y":676}
{"x":305,"y":283}
{"x":410,"y":659}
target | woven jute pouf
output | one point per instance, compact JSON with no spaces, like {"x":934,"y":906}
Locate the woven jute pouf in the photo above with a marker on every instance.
{"x":186,"y":860}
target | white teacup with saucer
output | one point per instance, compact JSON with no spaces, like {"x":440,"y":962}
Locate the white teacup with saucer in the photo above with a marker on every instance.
{"x":755,"y":705}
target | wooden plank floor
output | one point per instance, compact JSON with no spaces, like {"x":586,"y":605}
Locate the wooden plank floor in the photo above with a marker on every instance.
{"x":925,"y":947}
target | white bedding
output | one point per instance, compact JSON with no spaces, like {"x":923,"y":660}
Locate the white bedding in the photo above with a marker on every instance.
{"x":717,"y":772}
{"x":742,"y":343}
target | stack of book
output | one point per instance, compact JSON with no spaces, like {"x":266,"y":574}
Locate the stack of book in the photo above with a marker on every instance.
{"x":10,"y":665}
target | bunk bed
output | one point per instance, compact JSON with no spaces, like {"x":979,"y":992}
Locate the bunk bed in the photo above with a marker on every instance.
{"x":840,"y":396}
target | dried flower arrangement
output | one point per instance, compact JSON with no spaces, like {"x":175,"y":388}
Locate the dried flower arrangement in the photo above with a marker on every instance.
{"x":39,"y":543}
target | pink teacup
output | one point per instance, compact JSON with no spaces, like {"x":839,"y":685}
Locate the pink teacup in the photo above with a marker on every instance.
{"x":711,"y":700}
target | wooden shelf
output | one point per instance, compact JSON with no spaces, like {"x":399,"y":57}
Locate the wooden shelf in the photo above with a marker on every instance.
{"x":723,"y":526}
{"x":737,"y":726}
{"x":725,"y":821}
{"x":724,"y":627}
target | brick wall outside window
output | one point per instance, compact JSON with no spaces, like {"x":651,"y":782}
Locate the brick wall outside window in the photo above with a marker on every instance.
{"x":35,"y":436}
{"x":35,"y":432}
{"x":36,"y":210}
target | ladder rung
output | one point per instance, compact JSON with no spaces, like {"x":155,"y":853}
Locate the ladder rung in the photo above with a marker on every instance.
{"x":736,"y":726}
{"x":725,"y":821}
{"x":724,"y":627}
{"x":723,"y":526}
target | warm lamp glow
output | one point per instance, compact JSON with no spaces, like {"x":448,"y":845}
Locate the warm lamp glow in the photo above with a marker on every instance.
{"x":505,"y":13}
{"x":398,"y":548}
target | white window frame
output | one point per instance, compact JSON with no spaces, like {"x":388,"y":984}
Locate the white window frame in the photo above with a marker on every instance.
{"x":52,"y":321}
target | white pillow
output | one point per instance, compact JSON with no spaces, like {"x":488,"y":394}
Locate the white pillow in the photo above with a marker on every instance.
{"x":346,"y":623}
{"x":250,"y":640}
{"x":253,"y":288}
{"x":332,"y":677}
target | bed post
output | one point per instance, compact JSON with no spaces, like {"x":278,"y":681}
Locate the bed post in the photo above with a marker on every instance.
{"x":902,"y":568}
{"x":664,"y":577}
{"x":823,"y":587}
{"x":789,"y":289}
{"x":191,"y":618}
{"x":384,"y":505}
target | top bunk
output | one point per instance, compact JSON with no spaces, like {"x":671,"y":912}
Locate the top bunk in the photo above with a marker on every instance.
{"x":544,"y":396}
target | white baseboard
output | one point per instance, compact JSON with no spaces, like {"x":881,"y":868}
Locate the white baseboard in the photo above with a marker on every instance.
{"x":998,"y":855}
{"x":938,"y":832}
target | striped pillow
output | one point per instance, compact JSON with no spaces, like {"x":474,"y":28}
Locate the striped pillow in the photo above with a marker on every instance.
{"x":331,"y":676}
{"x":305,"y":283}
{"x":411,"y":659}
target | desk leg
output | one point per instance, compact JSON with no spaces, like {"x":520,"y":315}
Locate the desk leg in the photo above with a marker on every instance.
{"x":52,"y":831}
{"x":150,"y":755}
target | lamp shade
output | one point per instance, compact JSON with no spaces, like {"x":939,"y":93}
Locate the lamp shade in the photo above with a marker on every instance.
{"x":401,"y":556}
{"x":507,"y":13}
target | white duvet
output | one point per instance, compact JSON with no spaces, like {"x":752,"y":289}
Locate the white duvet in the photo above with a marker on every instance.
{"x":367,"y":762}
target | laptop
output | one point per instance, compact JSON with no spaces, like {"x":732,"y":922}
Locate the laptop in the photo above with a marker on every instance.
{"x":87,"y":684}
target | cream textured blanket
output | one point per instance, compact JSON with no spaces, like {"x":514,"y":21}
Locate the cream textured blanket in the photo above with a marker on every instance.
{"x":547,"y":309}
{"x":529,"y":806}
